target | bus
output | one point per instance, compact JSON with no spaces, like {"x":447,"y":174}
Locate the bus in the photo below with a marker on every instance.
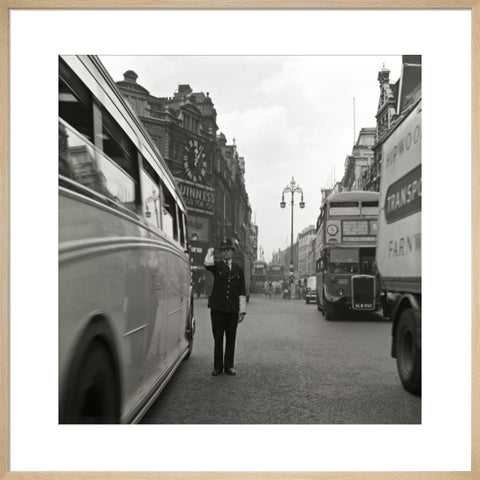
{"x":259,"y":275}
{"x":275,"y":272}
{"x":125,"y":297}
{"x":345,"y":243}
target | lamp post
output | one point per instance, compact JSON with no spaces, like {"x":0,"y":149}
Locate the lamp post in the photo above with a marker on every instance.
{"x":153,"y":199}
{"x":292,"y":188}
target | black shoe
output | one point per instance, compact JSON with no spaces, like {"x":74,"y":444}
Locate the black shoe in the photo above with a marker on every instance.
{"x":216,"y":371}
{"x":230,"y":371}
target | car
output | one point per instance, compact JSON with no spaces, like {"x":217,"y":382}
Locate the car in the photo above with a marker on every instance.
{"x":311,"y":290}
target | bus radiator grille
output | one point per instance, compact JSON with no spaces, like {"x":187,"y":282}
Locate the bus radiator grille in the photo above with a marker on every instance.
{"x":363,"y":293}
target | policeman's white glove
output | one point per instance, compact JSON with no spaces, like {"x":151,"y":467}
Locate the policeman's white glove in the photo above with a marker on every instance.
{"x":243,"y":308}
{"x":209,"y":260}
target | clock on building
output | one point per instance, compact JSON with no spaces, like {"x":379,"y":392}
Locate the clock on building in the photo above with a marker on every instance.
{"x":194,"y":160}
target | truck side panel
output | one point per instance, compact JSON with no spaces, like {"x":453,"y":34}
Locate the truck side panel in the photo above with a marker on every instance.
{"x":399,"y":223}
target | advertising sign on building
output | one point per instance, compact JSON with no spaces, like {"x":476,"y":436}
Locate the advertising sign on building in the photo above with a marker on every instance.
{"x":199,"y":198}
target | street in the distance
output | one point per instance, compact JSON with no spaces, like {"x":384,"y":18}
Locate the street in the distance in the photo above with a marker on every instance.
{"x":293,"y":367}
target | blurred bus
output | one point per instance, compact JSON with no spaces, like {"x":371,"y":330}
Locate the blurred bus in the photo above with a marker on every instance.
{"x":259,"y":275}
{"x":275,"y":272}
{"x":345,"y":253}
{"x":125,"y":298}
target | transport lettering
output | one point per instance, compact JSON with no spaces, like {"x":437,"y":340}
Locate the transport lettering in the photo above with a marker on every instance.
{"x":404,"y":197}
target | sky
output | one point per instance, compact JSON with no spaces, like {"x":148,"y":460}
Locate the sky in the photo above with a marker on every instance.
{"x":290,"y":116}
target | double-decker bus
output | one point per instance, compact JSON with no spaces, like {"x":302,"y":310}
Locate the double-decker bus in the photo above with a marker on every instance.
{"x":259,"y":275}
{"x":275,"y":272}
{"x":125,"y":297}
{"x":345,"y":253}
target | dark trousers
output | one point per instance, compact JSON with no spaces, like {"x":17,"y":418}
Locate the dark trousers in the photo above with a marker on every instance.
{"x":224,"y":324}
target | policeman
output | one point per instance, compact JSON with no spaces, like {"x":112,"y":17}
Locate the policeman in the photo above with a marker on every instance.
{"x":227,"y":304}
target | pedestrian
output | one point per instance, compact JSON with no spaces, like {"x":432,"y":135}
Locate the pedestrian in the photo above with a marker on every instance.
{"x":266,"y":288}
{"x":227,"y":303}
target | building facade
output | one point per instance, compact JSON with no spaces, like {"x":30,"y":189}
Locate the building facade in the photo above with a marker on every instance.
{"x":393,"y":100}
{"x":305,"y":238}
{"x":210,"y":173}
{"x":359,"y":161}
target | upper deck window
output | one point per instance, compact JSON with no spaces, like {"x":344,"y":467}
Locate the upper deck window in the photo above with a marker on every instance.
{"x":370,"y":208}
{"x":344,"y":208}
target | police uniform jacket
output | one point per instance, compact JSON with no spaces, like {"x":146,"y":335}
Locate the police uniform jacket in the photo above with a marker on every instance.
{"x":228,"y":290}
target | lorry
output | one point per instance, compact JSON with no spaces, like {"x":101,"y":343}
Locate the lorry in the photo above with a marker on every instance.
{"x":399,"y":239}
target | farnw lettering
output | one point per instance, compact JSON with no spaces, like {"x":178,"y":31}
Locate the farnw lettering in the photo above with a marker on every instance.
{"x":405,"y":245}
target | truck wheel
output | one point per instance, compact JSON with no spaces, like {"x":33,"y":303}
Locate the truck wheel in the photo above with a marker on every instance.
{"x":330,"y":310}
{"x":93,"y":394}
{"x":408,"y":350}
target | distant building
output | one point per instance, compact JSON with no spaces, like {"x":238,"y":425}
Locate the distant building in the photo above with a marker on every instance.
{"x":359,"y":161}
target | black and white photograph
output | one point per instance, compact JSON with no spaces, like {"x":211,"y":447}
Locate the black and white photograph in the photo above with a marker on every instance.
{"x":255,"y":254}
{"x":252,"y":218}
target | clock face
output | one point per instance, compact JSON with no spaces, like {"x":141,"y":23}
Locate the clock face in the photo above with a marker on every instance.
{"x":194,"y":160}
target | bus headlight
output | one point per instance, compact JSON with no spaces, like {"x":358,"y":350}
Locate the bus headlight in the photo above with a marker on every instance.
{"x":340,"y":291}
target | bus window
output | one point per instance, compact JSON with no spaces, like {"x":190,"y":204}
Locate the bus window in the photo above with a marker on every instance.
{"x":75,"y":103}
{"x":344,"y":260}
{"x":344,"y":208}
{"x":339,"y":267}
{"x":169,"y":214}
{"x":181,"y":224}
{"x":80,"y":161}
{"x":113,"y":142}
{"x":151,"y":200}
{"x":370,"y":208}
{"x":367,"y":261}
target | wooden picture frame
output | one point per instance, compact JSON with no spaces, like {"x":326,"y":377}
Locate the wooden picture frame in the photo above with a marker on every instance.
{"x":472,"y":5}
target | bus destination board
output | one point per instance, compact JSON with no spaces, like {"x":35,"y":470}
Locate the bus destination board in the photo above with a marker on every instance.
{"x":355,"y":228}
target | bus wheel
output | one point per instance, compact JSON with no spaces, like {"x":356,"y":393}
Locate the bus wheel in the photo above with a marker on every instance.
{"x":330,"y":310}
{"x":190,"y":334}
{"x":93,"y":394}
{"x":408,"y":350}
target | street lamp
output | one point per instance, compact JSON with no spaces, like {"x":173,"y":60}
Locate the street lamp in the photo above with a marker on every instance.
{"x":292,"y":188}
{"x":153,"y":199}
